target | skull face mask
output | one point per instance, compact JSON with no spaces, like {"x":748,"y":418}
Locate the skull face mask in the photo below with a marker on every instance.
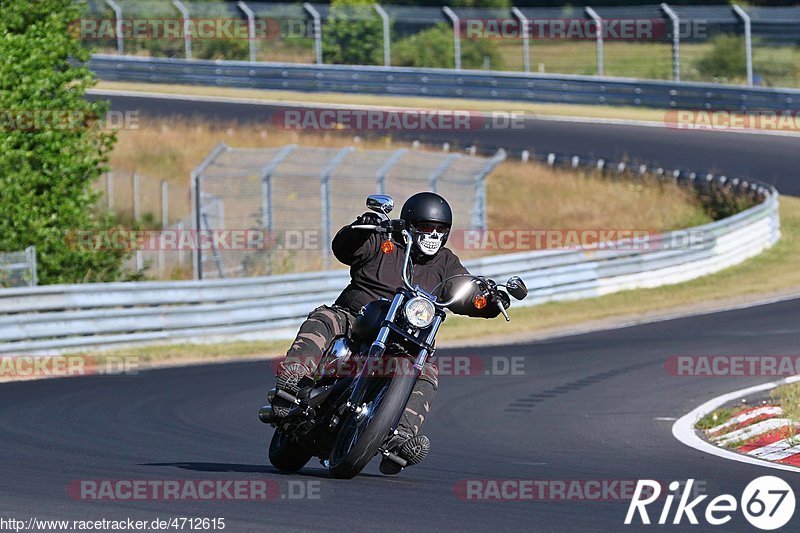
{"x":429,"y":239}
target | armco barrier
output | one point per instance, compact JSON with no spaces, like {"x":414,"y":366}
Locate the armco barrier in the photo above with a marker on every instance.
{"x":55,"y":318}
{"x":508,"y":86}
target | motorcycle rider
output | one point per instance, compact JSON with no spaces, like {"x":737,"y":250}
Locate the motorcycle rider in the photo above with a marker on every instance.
{"x":376,"y":272}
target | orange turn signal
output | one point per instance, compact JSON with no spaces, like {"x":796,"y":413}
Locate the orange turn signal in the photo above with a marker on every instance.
{"x":387,"y":247}
{"x":479,"y":302}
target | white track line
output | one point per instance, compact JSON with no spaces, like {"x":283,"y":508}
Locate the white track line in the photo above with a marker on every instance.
{"x":321,"y":105}
{"x":684,"y":431}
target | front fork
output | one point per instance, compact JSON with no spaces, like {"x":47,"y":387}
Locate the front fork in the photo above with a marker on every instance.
{"x":379,"y":347}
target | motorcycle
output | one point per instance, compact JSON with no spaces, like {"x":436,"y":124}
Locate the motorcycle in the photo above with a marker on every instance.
{"x":365,"y":378}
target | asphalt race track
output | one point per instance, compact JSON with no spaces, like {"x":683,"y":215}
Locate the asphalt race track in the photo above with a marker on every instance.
{"x":597,"y":406}
{"x":770,"y":158}
{"x":584,"y":408}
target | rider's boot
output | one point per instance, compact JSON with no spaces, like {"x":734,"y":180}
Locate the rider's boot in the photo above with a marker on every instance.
{"x":292,"y":377}
{"x":407,"y":446}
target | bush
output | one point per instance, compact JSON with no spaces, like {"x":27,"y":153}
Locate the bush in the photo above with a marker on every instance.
{"x":47,"y":167}
{"x":726,"y":59}
{"x":433,"y":47}
{"x":352,"y":34}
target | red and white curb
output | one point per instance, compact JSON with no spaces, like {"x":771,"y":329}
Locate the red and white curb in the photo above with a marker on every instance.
{"x":769,"y":437}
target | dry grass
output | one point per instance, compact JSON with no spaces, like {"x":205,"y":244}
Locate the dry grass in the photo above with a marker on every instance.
{"x":536,"y":196}
{"x":519,"y":195}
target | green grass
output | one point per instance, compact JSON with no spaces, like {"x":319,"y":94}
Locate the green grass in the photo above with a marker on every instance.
{"x":161,"y":353}
{"x":779,"y":66}
{"x":788,"y":396}
{"x":715,"y":418}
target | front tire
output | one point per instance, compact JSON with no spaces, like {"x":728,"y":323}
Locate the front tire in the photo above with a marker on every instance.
{"x":360,"y":437}
{"x":285,"y":454}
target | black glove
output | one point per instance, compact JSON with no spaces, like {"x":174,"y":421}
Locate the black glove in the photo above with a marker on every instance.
{"x":503,"y":298}
{"x":368,"y":219}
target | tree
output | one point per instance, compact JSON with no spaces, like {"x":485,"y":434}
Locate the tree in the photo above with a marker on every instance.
{"x":52,"y":145}
{"x":352,"y":34}
{"x":725,"y":59}
{"x":433,"y":47}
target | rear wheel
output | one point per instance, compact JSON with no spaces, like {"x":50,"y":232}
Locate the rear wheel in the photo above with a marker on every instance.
{"x":364,"y":430}
{"x":285,"y":454}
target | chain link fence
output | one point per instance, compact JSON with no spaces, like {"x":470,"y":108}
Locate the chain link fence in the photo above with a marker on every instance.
{"x":18,"y":269}
{"x":275,"y":210}
{"x":725,"y":43}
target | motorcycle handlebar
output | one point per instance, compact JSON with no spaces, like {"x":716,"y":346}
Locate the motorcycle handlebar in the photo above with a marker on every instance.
{"x":490,"y":286}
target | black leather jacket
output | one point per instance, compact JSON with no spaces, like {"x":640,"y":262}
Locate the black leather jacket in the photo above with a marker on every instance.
{"x":375,"y":274}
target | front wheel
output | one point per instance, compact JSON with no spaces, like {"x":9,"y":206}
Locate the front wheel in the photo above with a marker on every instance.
{"x":365,"y":430}
{"x":285,"y":454}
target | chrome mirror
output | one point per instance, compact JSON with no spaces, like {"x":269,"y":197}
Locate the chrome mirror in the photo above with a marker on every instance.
{"x":380,"y":203}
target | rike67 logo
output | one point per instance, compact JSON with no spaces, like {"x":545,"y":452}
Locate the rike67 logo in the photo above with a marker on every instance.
{"x":767,"y":503}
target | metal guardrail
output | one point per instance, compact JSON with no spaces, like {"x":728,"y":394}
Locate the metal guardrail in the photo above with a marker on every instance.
{"x":57,"y":318}
{"x":444,"y":83}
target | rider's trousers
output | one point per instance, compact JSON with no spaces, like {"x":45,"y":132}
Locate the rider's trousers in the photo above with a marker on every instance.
{"x":322,"y":326}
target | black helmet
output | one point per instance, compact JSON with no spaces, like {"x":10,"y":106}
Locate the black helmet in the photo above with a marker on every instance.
{"x":431,"y":208}
{"x":427,"y":207}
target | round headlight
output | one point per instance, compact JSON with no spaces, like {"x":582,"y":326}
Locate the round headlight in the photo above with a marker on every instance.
{"x":420,"y":312}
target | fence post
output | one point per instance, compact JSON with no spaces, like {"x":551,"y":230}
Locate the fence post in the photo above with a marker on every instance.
{"x":110,"y":190}
{"x":135,"y":179}
{"x":164,"y":223}
{"x":136,"y":213}
{"x":526,"y":38}
{"x":187,"y":35}
{"x":438,"y":172}
{"x":266,"y":184}
{"x":30,"y":256}
{"x":266,"y":196}
{"x":194,"y":184}
{"x":676,"y":41}
{"x":380,"y":178}
{"x":600,"y":57}
{"x":479,"y":208}
{"x":118,"y":26}
{"x":325,"y":177}
{"x":387,"y":38}
{"x":180,"y":248}
{"x":317,"y":31}
{"x":748,"y":41}
{"x":456,"y":35}
{"x":251,"y":28}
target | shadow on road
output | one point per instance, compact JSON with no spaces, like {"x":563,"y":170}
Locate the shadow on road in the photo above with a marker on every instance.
{"x":252,"y":469}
